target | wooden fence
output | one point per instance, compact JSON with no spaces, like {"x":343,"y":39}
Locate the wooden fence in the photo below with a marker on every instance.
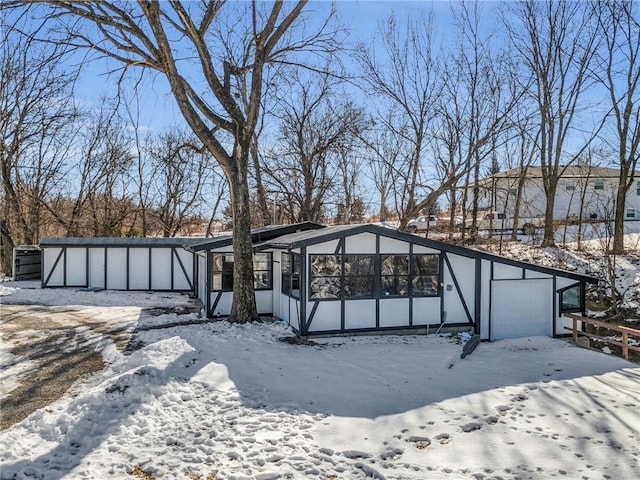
{"x":625,"y":331}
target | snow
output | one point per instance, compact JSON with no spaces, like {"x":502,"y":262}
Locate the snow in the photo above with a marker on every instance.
{"x":204,"y":400}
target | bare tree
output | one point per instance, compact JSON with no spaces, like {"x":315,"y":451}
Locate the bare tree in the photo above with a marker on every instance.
{"x":179,"y":167}
{"x":317,"y":128}
{"x":619,"y":72}
{"x":556,"y":41}
{"x":233,"y":45}
{"x":403,"y":75}
{"x":37,"y":116}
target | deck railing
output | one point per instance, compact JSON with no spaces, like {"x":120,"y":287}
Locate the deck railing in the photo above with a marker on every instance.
{"x":625,"y":331}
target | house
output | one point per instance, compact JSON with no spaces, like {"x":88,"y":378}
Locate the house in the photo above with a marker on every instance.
{"x":360,"y":278}
{"x":583,"y":192}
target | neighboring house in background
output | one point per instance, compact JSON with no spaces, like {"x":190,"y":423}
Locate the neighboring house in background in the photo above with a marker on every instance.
{"x":583,"y":192}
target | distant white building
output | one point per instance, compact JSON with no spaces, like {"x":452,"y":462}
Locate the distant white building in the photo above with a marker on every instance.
{"x":586,"y":192}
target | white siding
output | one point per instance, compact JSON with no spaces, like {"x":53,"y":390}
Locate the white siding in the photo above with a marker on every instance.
{"x":139,"y":269}
{"x":76,"y":260}
{"x":426,"y":311}
{"x":327,"y":316}
{"x":202,"y":279}
{"x":362,"y":243}
{"x":360,"y":314}
{"x":423,"y":249}
{"x":521,"y":308}
{"x":277,"y":281}
{"x":394,"y":312}
{"x":96,"y":267}
{"x":264,"y":302}
{"x":50,"y":255}
{"x":391,"y":245}
{"x":464,"y":271}
{"x":485,"y":288}
{"x":161,"y":268}
{"x":180,"y":281}
{"x":506,"y":272}
{"x":530,"y":274}
{"x":326,"y":247}
{"x":224,"y":304}
{"x":116,"y":269}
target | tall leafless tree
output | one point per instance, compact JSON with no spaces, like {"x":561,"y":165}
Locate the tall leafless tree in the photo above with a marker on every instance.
{"x":556,"y":41}
{"x":37,"y":116}
{"x":403,"y":76}
{"x":619,"y":72}
{"x":233,"y":45}
{"x":316,"y":128}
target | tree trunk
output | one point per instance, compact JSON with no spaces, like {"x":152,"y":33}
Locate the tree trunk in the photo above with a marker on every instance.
{"x":548,"y":240}
{"x":7,"y":248}
{"x":618,"y":227}
{"x":244,"y":299}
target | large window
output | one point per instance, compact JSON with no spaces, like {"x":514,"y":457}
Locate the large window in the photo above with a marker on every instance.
{"x":394,"y":275}
{"x":325,"y":277}
{"x":291,"y":274}
{"x":358,"y":276}
{"x":425,"y":278}
{"x":222,"y":274}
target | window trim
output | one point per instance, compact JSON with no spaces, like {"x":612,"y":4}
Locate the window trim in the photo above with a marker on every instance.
{"x":223,"y":271}
{"x":377,"y":277}
{"x":580,"y":306}
{"x":372,"y":276}
{"x":292,"y":274}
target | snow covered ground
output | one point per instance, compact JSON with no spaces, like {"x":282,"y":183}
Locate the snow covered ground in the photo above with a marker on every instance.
{"x":220,"y":401}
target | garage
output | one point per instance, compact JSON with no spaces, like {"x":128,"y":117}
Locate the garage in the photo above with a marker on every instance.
{"x":521,"y":308}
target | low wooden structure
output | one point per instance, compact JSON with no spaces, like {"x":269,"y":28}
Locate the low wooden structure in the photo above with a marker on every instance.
{"x":578,"y":329}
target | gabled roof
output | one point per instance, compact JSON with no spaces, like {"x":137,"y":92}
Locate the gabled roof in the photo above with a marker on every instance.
{"x":303,"y":239}
{"x":116,"y":241}
{"x":259,"y":234}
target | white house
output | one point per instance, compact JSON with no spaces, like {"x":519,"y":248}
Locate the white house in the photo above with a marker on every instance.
{"x":583,"y":192}
{"x":341,"y":279}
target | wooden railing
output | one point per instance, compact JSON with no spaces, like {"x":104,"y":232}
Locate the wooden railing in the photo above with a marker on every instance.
{"x":626,"y":331}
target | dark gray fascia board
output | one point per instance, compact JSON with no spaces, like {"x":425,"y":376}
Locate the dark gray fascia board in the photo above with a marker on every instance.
{"x":260,"y":234}
{"x":330,"y":234}
{"x":122,"y":242}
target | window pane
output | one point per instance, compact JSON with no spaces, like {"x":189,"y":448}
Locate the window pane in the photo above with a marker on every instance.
{"x":425,"y":285}
{"x":358,"y":287}
{"x":227,"y":280}
{"x":325,"y":265}
{"x":425,"y":265}
{"x":571,"y":299}
{"x":395,"y":285}
{"x":262,"y":261}
{"x":286,"y":263}
{"x":295,"y":263}
{"x":216,"y":284}
{"x":262,"y":280}
{"x":358,"y":265}
{"x":325,"y":287}
{"x":218,"y":262}
{"x":395,"y":265}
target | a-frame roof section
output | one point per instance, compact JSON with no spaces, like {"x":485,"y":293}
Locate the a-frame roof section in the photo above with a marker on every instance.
{"x":260,"y":234}
{"x":312,"y":237}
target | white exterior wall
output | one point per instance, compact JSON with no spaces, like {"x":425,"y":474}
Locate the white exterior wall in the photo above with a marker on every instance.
{"x":327,"y":316}
{"x":463,"y":269}
{"x":485,"y":296}
{"x":116,"y":265}
{"x":180,"y":281}
{"x":506,"y":272}
{"x":362,"y":243}
{"x":391,"y":245}
{"x":202,"y":279}
{"x":394,"y":312}
{"x":567,"y":201}
{"x":161,"y":268}
{"x":359,"y":314}
{"x":561,"y":321}
{"x":76,"y":264}
{"x":277,"y":280}
{"x":49,"y":257}
{"x":96,"y":267}
{"x":139,"y":269}
{"x":426,"y":310}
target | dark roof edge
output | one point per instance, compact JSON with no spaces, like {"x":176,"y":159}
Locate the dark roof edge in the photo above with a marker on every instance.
{"x":426,"y":242}
{"x":121,"y":242}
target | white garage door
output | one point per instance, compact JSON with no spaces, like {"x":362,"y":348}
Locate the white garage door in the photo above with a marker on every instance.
{"x":521,"y":308}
